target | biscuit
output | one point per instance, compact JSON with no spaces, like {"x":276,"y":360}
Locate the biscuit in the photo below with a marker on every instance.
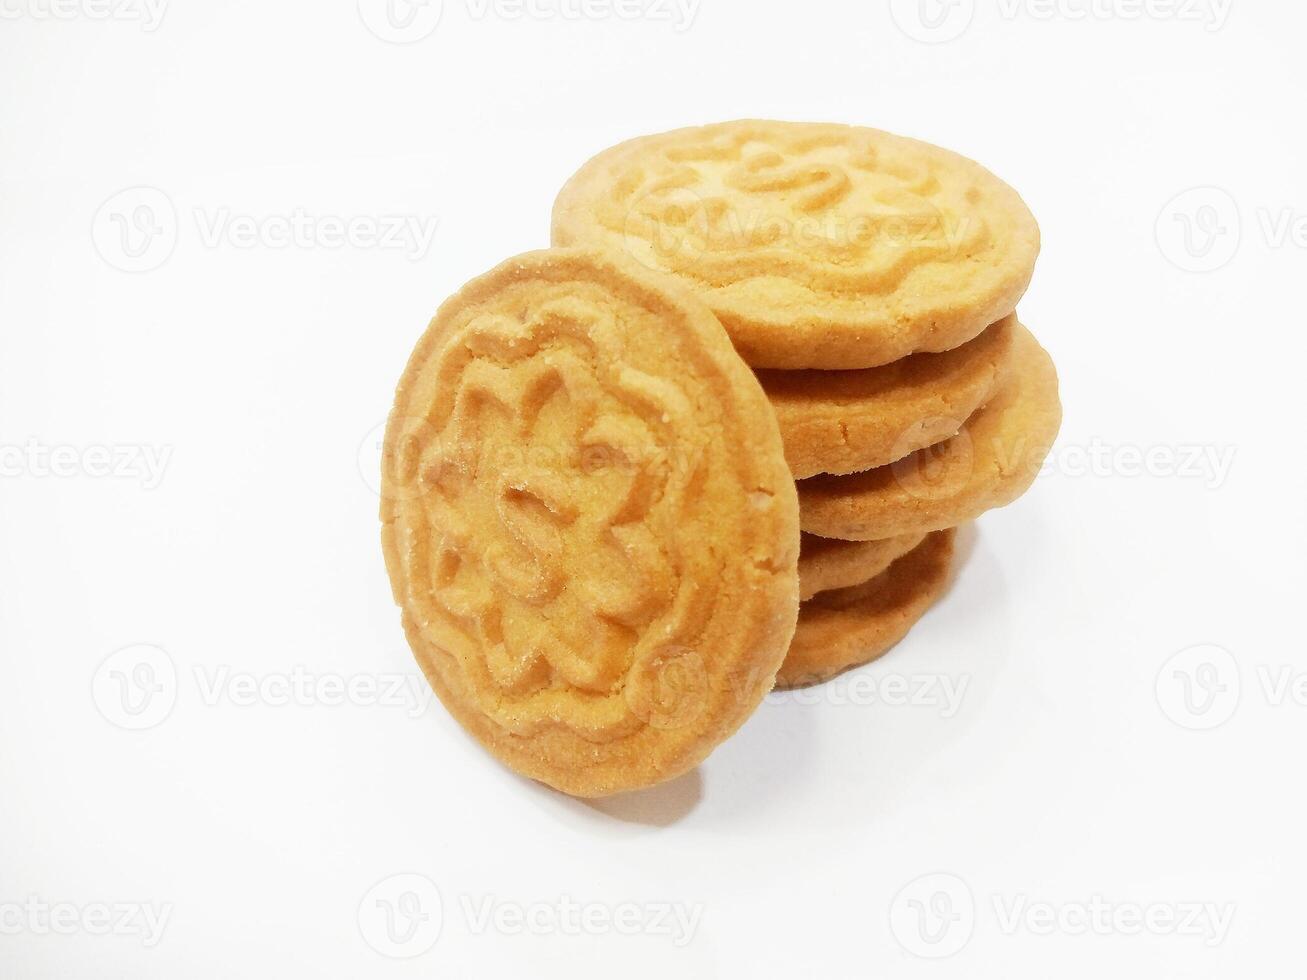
{"x":850,"y":627}
{"x":989,"y":464}
{"x":826,"y":564}
{"x":849,"y":421}
{"x":817,"y":245}
{"x":588,"y":522}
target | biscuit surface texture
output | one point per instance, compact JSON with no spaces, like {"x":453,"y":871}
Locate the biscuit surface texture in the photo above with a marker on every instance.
{"x":817,"y":245}
{"x":989,"y":464}
{"x":826,"y":564}
{"x":853,"y":626}
{"x":588,"y":522}
{"x":845,"y":422}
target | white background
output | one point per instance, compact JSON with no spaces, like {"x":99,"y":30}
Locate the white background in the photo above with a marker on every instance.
{"x":231,"y":387}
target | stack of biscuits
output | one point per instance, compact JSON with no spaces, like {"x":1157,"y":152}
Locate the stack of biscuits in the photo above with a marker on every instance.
{"x":717,"y":440}
{"x":871,"y":282}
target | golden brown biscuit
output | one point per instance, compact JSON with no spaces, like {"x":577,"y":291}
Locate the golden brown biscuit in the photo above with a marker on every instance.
{"x":826,"y":564}
{"x":850,"y":627}
{"x":991,"y":463}
{"x":849,"y":421}
{"x":588,"y":522}
{"x":817,"y":245}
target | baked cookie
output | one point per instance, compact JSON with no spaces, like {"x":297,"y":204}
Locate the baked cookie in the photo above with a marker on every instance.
{"x":588,"y":522}
{"x":826,"y":564}
{"x":817,"y":245}
{"x":850,"y":627}
{"x":989,"y":464}
{"x":850,"y":421}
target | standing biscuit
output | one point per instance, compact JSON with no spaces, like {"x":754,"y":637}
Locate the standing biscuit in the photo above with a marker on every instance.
{"x":817,"y":245}
{"x":588,"y":522}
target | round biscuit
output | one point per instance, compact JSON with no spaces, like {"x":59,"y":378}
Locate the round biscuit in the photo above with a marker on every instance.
{"x":826,"y":564}
{"x":817,"y":245}
{"x":850,"y":627}
{"x":588,"y":522}
{"x":989,"y":464}
{"x":843,"y":422}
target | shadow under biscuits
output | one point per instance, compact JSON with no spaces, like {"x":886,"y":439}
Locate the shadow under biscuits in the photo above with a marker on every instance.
{"x":906,"y":719}
{"x":631,"y":811}
{"x":965,"y":540}
{"x":970,"y":636}
{"x":757,"y":774}
{"x":658,"y":806}
{"x":749,"y":776}
{"x":846,"y":753}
